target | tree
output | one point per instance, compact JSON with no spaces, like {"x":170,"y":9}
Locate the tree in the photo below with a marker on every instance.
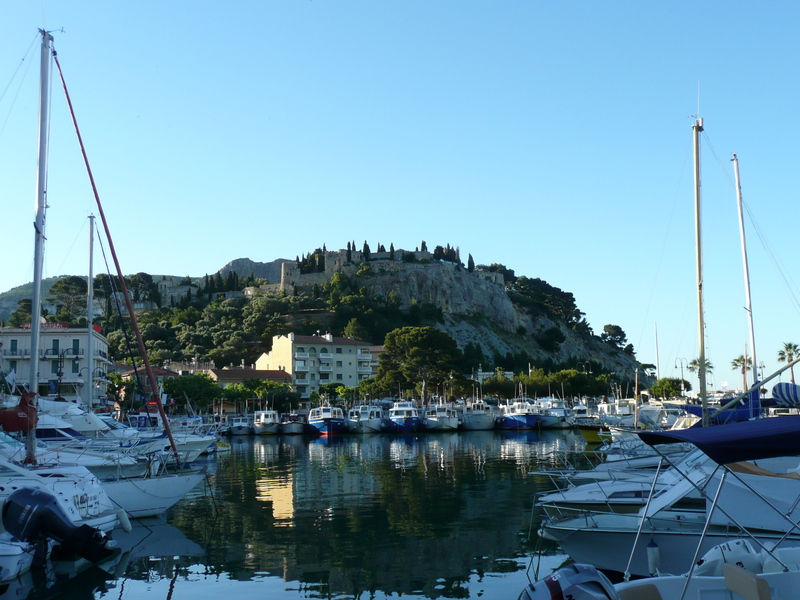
{"x":199,"y":389}
{"x":787,"y":354}
{"x":742,"y":363}
{"x":415,"y":355}
{"x":613,"y":334}
{"x":470,"y":264}
{"x":69,"y":296}
{"x":668,"y":387}
{"x":694,"y":366}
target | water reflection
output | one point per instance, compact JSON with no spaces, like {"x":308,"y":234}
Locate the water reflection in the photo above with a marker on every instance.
{"x":429,"y":515}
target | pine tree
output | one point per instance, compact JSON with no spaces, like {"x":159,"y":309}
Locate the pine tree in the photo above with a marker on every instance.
{"x":424,"y":246}
{"x":391,"y":250}
{"x":470,"y":264}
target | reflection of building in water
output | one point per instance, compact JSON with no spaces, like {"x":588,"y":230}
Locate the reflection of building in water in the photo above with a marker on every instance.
{"x":280,"y":492}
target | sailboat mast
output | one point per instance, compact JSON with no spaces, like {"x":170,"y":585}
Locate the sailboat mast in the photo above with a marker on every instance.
{"x":38,"y":227}
{"x":701,"y":369}
{"x":41,"y":207}
{"x":90,"y":319}
{"x":745,"y":268}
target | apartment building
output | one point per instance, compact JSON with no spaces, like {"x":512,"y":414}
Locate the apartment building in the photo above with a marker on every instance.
{"x":64,"y":368}
{"x":313,"y":360}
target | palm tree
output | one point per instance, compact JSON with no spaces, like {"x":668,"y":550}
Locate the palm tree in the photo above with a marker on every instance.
{"x":789,"y":352}
{"x":742,"y":363}
{"x":694,"y":366}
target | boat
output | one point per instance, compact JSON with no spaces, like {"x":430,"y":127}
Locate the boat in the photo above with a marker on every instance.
{"x":366,"y":418}
{"x":240,"y":425}
{"x":440,"y":417}
{"x":477,"y":415}
{"x":327,"y":420}
{"x":517,"y":414}
{"x":733,"y":570}
{"x":404,"y":417}
{"x":266,"y":422}
{"x":293,"y":423}
{"x":554,"y":414}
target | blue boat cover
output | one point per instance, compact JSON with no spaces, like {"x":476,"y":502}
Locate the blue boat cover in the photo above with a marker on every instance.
{"x":744,"y":440}
{"x":786,"y":394}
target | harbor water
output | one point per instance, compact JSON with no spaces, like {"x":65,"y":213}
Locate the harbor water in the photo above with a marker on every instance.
{"x":447,"y":515}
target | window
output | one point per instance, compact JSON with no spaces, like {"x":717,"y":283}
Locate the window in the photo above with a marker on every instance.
{"x":338,"y":363}
{"x":312,"y":350}
{"x":300,"y":349}
{"x":323,"y":377}
{"x":323,"y":350}
{"x":313,"y":376}
{"x":55,"y":346}
{"x":12,"y":365}
{"x":338,"y":351}
{"x":13,"y":347}
{"x":76,"y":347}
{"x":76,"y":366}
{"x":54,"y":366}
{"x":339,"y":377}
{"x":312,"y":363}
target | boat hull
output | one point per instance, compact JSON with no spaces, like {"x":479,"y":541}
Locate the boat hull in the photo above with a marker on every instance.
{"x":328,"y":426}
{"x":517,"y":422}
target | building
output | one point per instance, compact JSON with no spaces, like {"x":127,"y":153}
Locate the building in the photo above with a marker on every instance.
{"x":313,"y":360}
{"x":64,"y":368}
{"x":230,"y":376}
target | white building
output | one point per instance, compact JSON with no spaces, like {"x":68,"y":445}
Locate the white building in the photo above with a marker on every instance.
{"x":63,"y":362}
{"x":313,"y":360}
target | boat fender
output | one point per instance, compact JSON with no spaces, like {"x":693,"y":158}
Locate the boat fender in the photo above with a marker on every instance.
{"x":29,"y":514}
{"x":653,"y":558}
{"x":573,"y":582}
{"x":124,"y":521}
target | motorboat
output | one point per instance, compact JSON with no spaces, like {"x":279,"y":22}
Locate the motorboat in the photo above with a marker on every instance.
{"x":293,"y":424}
{"x":518,"y":414}
{"x":440,"y":417}
{"x":266,"y":422}
{"x":327,"y":420}
{"x":240,"y":425}
{"x":477,"y":415}
{"x":404,"y":417}
{"x":366,"y":418}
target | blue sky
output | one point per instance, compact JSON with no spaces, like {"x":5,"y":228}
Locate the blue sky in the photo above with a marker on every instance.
{"x":552,"y":137}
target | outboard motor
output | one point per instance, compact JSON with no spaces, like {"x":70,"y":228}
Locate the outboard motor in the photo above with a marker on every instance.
{"x":576,"y":582}
{"x":30,"y":514}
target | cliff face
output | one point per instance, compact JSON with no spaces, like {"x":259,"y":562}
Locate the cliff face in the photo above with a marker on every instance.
{"x":477,"y":309}
{"x":271,"y":271}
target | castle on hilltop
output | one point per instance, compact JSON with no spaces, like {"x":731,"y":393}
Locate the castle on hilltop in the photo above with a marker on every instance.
{"x":351,"y":262}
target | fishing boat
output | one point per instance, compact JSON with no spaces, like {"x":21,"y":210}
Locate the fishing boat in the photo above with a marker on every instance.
{"x":477,"y":415}
{"x":440,"y":417}
{"x":404,"y":417}
{"x":266,"y":422}
{"x":240,"y":425}
{"x":365,"y":418}
{"x":327,"y":420}
{"x":293,"y":423}
{"x":554,"y":414}
{"x":517,"y":414}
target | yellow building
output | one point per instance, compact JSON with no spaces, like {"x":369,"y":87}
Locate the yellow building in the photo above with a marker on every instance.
{"x":313,"y":360}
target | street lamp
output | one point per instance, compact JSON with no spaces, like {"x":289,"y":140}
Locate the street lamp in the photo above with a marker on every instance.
{"x":682,"y":362}
{"x":586,"y":365}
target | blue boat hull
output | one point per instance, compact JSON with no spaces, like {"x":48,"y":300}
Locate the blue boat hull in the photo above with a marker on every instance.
{"x":406,"y":425}
{"x":517,"y":422}
{"x":328,"y":426}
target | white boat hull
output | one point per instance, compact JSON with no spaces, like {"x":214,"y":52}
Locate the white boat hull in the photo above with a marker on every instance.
{"x":151,"y":496}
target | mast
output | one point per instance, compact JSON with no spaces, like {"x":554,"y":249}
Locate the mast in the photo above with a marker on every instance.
{"x":746,"y":270}
{"x":90,"y":318}
{"x":38,"y":226}
{"x":701,"y":370}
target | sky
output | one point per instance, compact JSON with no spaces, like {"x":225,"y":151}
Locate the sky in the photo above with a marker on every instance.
{"x":554,"y":138}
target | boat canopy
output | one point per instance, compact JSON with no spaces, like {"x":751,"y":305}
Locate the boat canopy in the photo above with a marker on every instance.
{"x":734,"y":442}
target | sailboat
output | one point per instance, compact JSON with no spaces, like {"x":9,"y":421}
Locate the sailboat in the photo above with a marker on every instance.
{"x":155,"y":490}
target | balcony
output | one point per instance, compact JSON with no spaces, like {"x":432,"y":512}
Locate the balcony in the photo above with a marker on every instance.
{"x":325,"y":369}
{"x":327,"y":355}
{"x":365,"y":369}
{"x":301,"y":355}
{"x":301,"y":368}
{"x":364,"y":356}
{"x":18,"y":353}
{"x":301,"y":381}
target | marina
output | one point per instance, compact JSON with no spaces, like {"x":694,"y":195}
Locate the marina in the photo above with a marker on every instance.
{"x":369,"y":516}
